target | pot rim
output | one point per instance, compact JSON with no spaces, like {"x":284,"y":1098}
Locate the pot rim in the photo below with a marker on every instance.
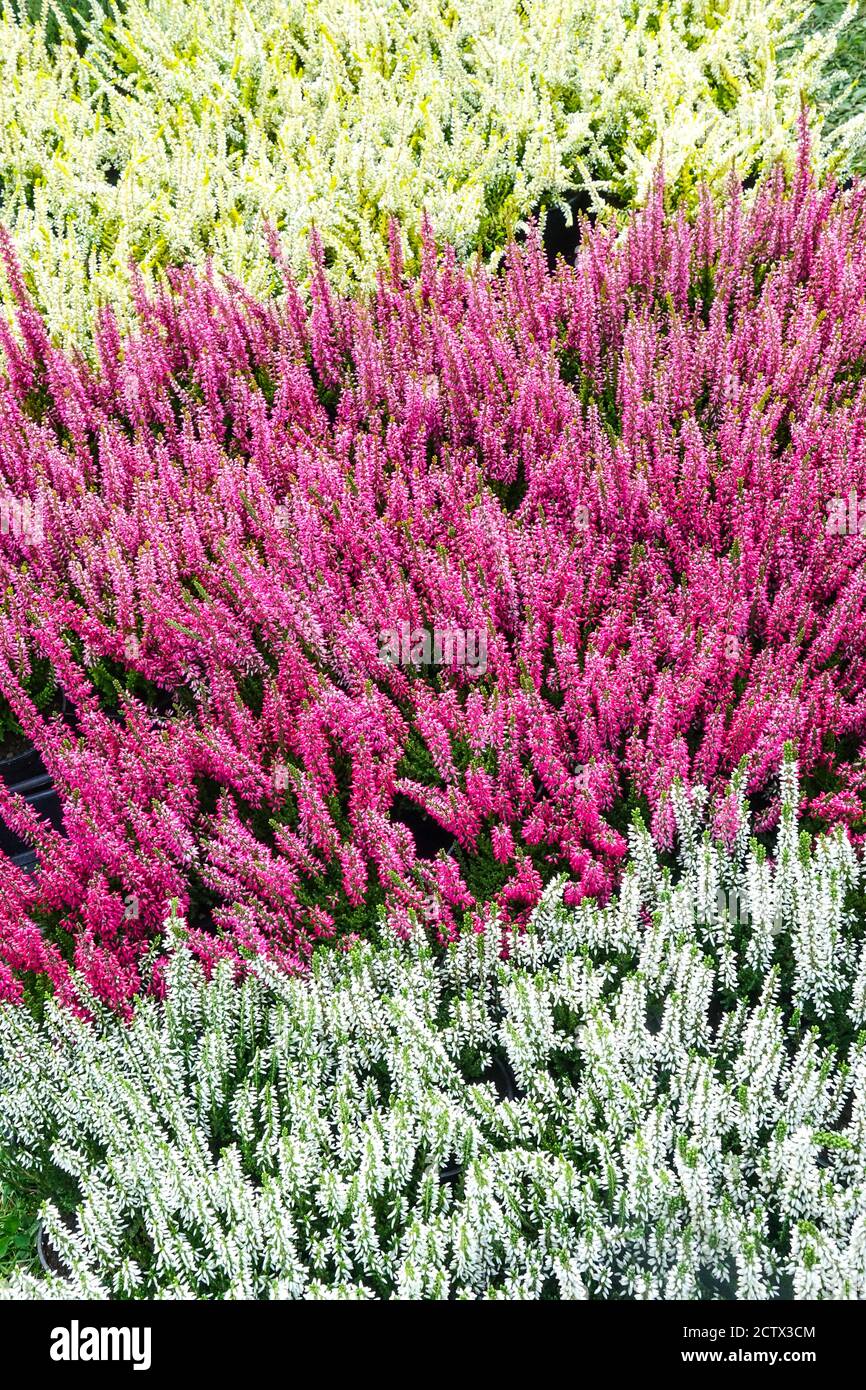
{"x":42,"y":1242}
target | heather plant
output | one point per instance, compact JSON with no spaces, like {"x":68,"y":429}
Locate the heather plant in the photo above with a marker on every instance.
{"x":653,"y":1099}
{"x":262,"y":519}
{"x":166,"y":131}
{"x":844,"y":88}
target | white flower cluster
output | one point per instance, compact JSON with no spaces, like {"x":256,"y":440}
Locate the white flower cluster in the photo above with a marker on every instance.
{"x":169,"y":130}
{"x":639,"y":1101}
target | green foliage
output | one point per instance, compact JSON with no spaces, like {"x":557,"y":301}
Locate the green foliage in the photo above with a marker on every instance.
{"x":18,"y":1222}
{"x":41,"y":686}
{"x":850,"y":62}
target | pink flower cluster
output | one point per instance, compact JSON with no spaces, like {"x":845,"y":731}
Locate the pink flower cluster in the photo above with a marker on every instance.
{"x":619,"y":475}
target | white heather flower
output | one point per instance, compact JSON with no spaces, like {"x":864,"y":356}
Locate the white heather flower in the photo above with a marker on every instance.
{"x":672,"y":1134}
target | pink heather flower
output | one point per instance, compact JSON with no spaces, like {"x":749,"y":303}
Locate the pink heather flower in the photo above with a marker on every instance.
{"x":354,"y":874}
{"x":640,"y":479}
{"x":524,"y":889}
{"x":503,"y":843}
{"x":447,"y":878}
{"x":11,"y":989}
{"x":573,"y":894}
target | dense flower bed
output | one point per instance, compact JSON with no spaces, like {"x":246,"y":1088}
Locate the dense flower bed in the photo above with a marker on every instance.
{"x":163,"y":130}
{"x":664,"y":1098}
{"x":432,"y":679}
{"x":494,"y":557}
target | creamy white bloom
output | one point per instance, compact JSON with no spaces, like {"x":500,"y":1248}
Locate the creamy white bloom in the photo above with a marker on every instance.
{"x":172,"y":129}
{"x":600,"y":1110}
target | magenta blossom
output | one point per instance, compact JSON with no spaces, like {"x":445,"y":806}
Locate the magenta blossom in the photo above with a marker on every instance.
{"x":511,"y":552}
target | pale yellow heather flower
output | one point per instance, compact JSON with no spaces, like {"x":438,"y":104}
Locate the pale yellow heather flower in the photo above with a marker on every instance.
{"x":171,"y":130}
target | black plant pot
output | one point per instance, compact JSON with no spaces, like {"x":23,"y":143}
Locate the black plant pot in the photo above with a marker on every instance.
{"x":25,"y":774}
{"x":451,"y":1172}
{"x":25,"y":859}
{"x":162,"y":702}
{"x":25,"y":762}
{"x":202,"y":920}
{"x":159,"y":704}
{"x":12,"y":747}
{"x":427,"y":833}
{"x":500,"y":1073}
{"x":21,"y":767}
{"x":48,"y":1257}
{"x":560,"y":239}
